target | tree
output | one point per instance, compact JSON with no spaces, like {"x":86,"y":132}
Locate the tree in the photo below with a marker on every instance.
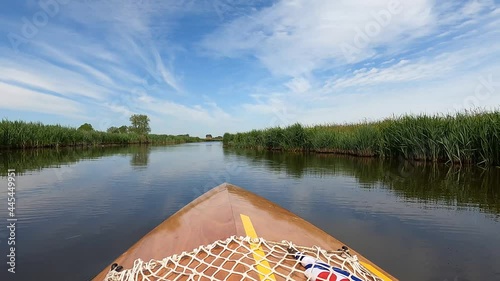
{"x":123,"y":129}
{"x":86,"y":127}
{"x":113,"y":130}
{"x":140,"y":124}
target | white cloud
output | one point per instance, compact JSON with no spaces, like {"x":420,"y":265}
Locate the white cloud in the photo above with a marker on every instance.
{"x":268,"y":104}
{"x":19,"y":99}
{"x":169,"y":117}
{"x":140,"y":30}
{"x":475,"y":7}
{"x":60,"y":56}
{"x":424,"y":69}
{"x":408,"y":67}
{"x":210,"y":114}
{"x":103,"y":65}
{"x":298,"y":85}
{"x":442,"y":82}
{"x":297,"y":37}
{"x":117,"y":58}
{"x":473,"y":89}
{"x":49,"y":77}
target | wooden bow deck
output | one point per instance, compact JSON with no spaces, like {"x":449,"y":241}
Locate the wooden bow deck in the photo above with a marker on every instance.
{"x":222,"y":212}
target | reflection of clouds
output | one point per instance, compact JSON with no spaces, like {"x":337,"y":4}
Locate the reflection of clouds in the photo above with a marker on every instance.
{"x":351,"y":203}
{"x":94,"y":197}
{"x":51,"y":178}
{"x":343,"y":193}
{"x":103,"y":198}
{"x":387,"y":228}
{"x":172,"y":161}
{"x":64,"y":172}
{"x":382,"y":202}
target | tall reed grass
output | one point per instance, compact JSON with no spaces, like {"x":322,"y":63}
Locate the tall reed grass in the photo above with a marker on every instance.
{"x":464,"y":138}
{"x":19,"y":134}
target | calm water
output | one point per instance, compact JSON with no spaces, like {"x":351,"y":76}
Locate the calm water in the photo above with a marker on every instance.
{"x":79,"y":209}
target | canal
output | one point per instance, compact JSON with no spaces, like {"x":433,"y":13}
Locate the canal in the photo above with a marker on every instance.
{"x":78,"y":209}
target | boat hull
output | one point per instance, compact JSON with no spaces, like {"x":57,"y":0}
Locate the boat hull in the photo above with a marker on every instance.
{"x":219,"y":214}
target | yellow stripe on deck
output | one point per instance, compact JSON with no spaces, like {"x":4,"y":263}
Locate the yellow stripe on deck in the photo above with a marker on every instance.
{"x":263,"y":266}
{"x":375,"y":271}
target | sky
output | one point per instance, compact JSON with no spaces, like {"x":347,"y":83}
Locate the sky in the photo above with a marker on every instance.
{"x":208,"y":67}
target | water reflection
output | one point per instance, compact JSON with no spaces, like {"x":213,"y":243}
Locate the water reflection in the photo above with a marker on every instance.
{"x":452,"y":186}
{"x":37,"y":159}
{"x":140,"y":157}
{"x":466,"y":186}
{"x":78,"y":202}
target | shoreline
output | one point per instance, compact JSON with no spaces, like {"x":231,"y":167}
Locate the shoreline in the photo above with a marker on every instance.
{"x":52,"y":146}
{"x":463,"y":138}
{"x":30,"y":135}
{"x":370,"y":155}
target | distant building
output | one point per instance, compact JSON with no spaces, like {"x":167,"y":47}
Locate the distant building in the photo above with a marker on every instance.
{"x":208,"y":137}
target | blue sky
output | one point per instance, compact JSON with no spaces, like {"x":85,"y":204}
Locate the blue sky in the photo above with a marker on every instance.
{"x":199,"y":66}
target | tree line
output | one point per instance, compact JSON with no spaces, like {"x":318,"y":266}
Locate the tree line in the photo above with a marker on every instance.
{"x":139,"y":124}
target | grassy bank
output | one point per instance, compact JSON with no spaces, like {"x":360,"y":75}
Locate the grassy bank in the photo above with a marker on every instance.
{"x":462,"y":138}
{"x":19,"y":134}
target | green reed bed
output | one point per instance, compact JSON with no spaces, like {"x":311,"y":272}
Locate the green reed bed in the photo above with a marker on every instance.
{"x":463,"y":138}
{"x":19,"y":134}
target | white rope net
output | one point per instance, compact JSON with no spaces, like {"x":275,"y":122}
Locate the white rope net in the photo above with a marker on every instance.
{"x":241,"y":258}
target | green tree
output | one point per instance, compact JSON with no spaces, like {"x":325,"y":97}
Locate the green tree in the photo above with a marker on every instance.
{"x":140,"y":124}
{"x":86,"y":127}
{"x":123,"y":129}
{"x":113,"y":130}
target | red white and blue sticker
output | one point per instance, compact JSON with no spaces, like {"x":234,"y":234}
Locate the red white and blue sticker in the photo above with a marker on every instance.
{"x":317,"y":270}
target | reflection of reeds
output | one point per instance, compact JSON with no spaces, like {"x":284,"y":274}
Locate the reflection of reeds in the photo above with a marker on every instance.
{"x":450,"y":185}
{"x":19,"y":134}
{"x":37,"y":159}
{"x":456,"y":187}
{"x":462,"y":138}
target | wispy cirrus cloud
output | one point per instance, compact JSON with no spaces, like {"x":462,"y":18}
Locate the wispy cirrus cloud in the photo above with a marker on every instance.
{"x":97,"y":57}
{"x":39,"y":74}
{"x":293,"y":38}
{"x":24,"y":99}
{"x":424,"y":56}
{"x":429,"y":68}
{"x":214,"y":66}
